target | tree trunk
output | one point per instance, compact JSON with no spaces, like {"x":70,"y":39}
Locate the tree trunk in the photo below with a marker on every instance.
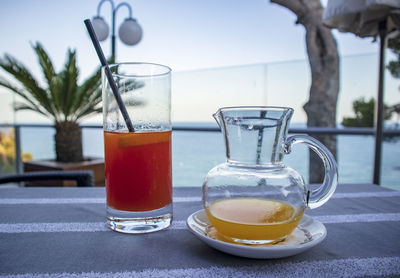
{"x":68,"y":140}
{"x":324,"y":62}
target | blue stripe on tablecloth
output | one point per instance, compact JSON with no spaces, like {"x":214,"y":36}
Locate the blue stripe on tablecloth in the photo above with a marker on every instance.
{"x":22,"y":201}
{"x":177,"y":225}
{"x":352,"y":267}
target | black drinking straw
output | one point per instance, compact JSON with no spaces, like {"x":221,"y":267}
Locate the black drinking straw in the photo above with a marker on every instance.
{"x":113,"y":86}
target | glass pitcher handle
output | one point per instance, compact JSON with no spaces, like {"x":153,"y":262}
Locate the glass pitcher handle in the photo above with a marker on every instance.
{"x":322,"y":194}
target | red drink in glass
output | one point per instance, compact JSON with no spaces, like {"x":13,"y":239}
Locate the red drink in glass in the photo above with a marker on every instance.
{"x":138,"y":147}
{"x":138,"y":170}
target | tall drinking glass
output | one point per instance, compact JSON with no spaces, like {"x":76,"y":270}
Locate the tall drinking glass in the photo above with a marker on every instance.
{"x":138,"y":162}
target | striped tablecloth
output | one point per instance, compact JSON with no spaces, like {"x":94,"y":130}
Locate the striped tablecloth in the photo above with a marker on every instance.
{"x":60,"y":232}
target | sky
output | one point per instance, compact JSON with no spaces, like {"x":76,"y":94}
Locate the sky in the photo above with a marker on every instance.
{"x":189,"y":36}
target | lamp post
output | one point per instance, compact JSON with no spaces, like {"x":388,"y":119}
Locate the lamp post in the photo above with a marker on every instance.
{"x":130,"y":31}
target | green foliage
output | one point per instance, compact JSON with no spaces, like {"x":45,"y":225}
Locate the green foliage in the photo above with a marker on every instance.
{"x":394,"y":66}
{"x":62,"y":99}
{"x":364,"y":114}
{"x":364,"y":110}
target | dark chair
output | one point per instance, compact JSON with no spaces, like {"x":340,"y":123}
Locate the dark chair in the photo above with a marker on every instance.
{"x":82,"y":178}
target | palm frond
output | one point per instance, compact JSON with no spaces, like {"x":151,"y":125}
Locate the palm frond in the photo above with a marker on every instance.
{"x":48,"y":72}
{"x":4,"y":83}
{"x":62,"y":98}
{"x":87,"y":89}
{"x":22,"y":74}
{"x":69,"y":78}
{"x":133,"y":85}
{"x":89,"y":94}
{"x":23,"y":106}
{"x":90,"y":106}
{"x":88,"y":111}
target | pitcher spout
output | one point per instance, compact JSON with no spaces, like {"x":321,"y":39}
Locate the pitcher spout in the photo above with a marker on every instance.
{"x":218,"y":117}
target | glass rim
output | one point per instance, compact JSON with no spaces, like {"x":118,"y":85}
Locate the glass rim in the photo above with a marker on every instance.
{"x":167,"y":70}
{"x":254,"y":108}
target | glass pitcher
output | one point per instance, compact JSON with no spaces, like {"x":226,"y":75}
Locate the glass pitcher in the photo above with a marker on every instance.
{"x":253,"y":198}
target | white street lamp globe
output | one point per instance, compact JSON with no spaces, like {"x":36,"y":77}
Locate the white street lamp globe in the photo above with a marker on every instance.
{"x":130,"y":32}
{"x":100,"y":28}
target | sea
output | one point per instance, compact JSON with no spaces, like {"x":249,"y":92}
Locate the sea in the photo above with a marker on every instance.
{"x":195,"y":153}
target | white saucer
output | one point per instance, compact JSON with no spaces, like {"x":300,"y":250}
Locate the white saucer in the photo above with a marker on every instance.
{"x":309,"y":233}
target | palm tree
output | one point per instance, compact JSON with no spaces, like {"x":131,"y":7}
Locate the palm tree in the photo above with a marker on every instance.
{"x":62,"y":99}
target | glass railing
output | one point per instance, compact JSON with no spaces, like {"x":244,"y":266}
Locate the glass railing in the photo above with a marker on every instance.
{"x":199,"y":93}
{"x":196,"y":94}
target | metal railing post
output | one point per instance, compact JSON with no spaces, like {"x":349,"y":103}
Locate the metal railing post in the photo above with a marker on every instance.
{"x":18,"y":153}
{"x":380,"y":105}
